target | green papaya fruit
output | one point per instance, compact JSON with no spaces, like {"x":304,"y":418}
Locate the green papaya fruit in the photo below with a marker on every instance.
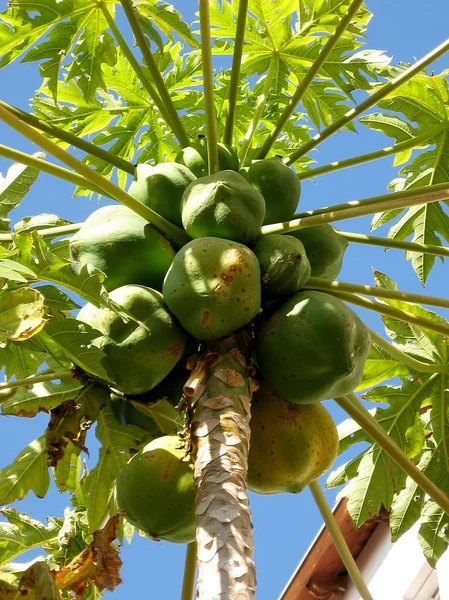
{"x":160,"y":187}
{"x":291,"y":444}
{"x":157,"y":491}
{"x":313,"y":347}
{"x":284,"y":266}
{"x":325,"y":249}
{"x":213,"y":287}
{"x":124,"y":246}
{"x":140,"y":352}
{"x":128,"y":414}
{"x":223,"y":205}
{"x":279,"y":186}
{"x":196,"y":159}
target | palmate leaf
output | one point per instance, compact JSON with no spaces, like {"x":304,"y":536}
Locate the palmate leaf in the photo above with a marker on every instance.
{"x":22,"y":359}
{"x":417,"y":418}
{"x":167,"y":19}
{"x":28,"y":472}
{"x":41,"y":397}
{"x":116,"y":441}
{"x":424,"y":101}
{"x":15,"y":185}
{"x":21,"y":533}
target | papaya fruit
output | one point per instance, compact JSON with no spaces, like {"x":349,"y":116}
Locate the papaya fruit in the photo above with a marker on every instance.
{"x":311,"y":348}
{"x":279,"y":186}
{"x":124,"y":246}
{"x":128,"y":414}
{"x":157,"y":491}
{"x":284,"y":266}
{"x":213,"y":287}
{"x":223,"y":205}
{"x":195,"y":157}
{"x":291,"y":444}
{"x":160,"y":187}
{"x":140,"y":352}
{"x":325,"y":249}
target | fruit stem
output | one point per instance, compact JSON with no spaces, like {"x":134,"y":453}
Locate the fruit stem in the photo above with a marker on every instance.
{"x":235,"y":82}
{"x":308,"y":78}
{"x":220,"y":436}
{"x":188,"y":584}
{"x":359,"y":208}
{"x":395,"y":313}
{"x":339,"y":541}
{"x":378,"y":292}
{"x":166,"y":105}
{"x":208,"y":83}
{"x":70,"y":138}
{"x":48,"y":232}
{"x":258,"y":112}
{"x":140,"y":72}
{"x":355,"y":409}
{"x":38,"y":378}
{"x":175,"y":234}
{"x":405,"y":359}
{"x":363,"y":158}
{"x":370,"y":240}
{"x":46,"y":167}
{"x":373,"y":99}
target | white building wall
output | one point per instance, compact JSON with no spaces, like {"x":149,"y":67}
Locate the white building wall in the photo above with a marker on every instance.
{"x":399,"y":571}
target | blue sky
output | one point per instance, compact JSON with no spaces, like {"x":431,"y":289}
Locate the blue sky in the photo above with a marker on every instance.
{"x":284,"y":525}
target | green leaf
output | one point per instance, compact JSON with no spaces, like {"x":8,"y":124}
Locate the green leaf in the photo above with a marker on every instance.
{"x":28,"y":472}
{"x":380,"y":366}
{"x":17,"y":182}
{"x":167,"y":19}
{"x":14,"y":271}
{"x":21,"y":533}
{"x":22,"y":359}
{"x":21,"y":313}
{"x":164,"y":414}
{"x":75,"y":340}
{"x":55,"y":299}
{"x":116,"y":441}
{"x":42,"y":221}
{"x":41,"y":397}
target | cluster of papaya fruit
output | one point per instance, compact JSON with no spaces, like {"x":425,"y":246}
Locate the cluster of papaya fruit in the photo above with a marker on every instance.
{"x":309,"y":346}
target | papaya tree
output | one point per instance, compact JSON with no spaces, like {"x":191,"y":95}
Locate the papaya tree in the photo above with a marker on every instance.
{"x":196,"y":319}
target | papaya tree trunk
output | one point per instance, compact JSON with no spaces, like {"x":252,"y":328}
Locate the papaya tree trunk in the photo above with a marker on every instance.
{"x":220,"y":389}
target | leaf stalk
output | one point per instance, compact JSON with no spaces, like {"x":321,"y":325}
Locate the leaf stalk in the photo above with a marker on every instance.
{"x":188,"y":585}
{"x":69,"y":138}
{"x":370,"y":240}
{"x":39,"y":378}
{"x":355,"y":409}
{"x":308,"y":78}
{"x":166,"y":105}
{"x":235,"y":72}
{"x":373,"y":99}
{"x":339,"y":541}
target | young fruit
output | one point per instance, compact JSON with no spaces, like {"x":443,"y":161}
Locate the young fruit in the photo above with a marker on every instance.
{"x":223,"y":205}
{"x":195,"y":157}
{"x":124,"y":246}
{"x":284,"y":266}
{"x":160,"y":187}
{"x":312,"y":348}
{"x":213,"y":287}
{"x":279,"y":186}
{"x":325,"y":249}
{"x":291,"y":444}
{"x":157,"y":491}
{"x":140,"y":353}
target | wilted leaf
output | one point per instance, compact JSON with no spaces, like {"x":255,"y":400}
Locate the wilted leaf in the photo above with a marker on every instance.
{"x":21,"y":313}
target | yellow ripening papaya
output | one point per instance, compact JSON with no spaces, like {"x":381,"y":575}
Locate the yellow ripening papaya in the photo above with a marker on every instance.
{"x":157,"y":491}
{"x":140,"y":352}
{"x":223,"y":205}
{"x":313,"y":347}
{"x":325,"y":249}
{"x":279,"y":186}
{"x":160,"y":187}
{"x":213,"y":287}
{"x":284,"y":266}
{"x":124,"y":246}
{"x":291,"y":444}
